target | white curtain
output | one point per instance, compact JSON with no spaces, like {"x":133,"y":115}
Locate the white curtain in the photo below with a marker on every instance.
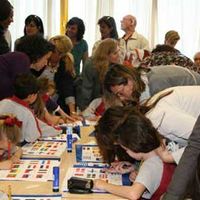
{"x":141,"y":9}
{"x":47,"y":10}
{"x":91,"y":10}
{"x":154,"y":17}
{"x":182,"y":16}
{"x":86,"y":10}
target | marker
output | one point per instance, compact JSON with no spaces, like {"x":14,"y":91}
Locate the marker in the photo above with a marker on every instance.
{"x":69,"y":139}
{"x":55,"y":179}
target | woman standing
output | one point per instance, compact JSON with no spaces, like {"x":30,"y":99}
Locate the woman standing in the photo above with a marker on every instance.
{"x":95,"y":69}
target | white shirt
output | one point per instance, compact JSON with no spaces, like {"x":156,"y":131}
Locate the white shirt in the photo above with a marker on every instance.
{"x":150,"y":175}
{"x":30,"y":130}
{"x":175,"y":115}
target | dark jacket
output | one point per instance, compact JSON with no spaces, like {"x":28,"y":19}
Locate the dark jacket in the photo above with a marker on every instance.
{"x":11,"y":64}
{"x":187,"y":171}
{"x":4,"y":48}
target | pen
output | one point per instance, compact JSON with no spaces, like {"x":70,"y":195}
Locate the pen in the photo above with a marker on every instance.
{"x":9,"y":192}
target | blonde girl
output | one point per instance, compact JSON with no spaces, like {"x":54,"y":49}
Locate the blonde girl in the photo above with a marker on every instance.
{"x":10,"y":134}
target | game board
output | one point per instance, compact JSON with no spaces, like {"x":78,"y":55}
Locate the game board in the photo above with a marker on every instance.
{"x":88,"y":153}
{"x":60,"y":138}
{"x":30,"y":170}
{"x":49,"y":149}
{"x":36,"y":197}
{"x":95,"y":173}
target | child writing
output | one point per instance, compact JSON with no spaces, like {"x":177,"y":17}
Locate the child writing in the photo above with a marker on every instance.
{"x":137,"y":136}
{"x":25,"y":93}
{"x":10,"y":134}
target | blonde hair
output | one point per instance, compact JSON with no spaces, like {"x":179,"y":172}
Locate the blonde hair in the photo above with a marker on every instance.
{"x":100,"y":57}
{"x":10,"y":128}
{"x":64,"y":45}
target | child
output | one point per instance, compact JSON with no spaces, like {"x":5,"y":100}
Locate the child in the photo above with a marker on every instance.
{"x":10,"y":134}
{"x":137,"y":136}
{"x":47,"y":87}
{"x":25,"y":93}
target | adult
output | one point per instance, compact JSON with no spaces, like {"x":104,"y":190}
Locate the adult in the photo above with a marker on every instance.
{"x":135,"y":84}
{"x":197,"y":61}
{"x":108,"y":29}
{"x":167,"y":54}
{"x":35,"y":53}
{"x":95,"y":69}
{"x":33,"y":25}
{"x":6,"y":17}
{"x":189,"y":163}
{"x":75,"y":30}
{"x":171,"y":38}
{"x":65,"y":72}
{"x":131,"y":38}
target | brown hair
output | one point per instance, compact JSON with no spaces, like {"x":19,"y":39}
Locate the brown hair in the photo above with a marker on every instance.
{"x":126,"y":126}
{"x":100,"y":57}
{"x":119,"y":74}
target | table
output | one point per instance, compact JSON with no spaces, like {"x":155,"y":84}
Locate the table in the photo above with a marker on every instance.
{"x":67,"y":161}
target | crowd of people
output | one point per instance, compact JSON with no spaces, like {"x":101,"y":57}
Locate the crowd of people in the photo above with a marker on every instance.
{"x":146,"y":102}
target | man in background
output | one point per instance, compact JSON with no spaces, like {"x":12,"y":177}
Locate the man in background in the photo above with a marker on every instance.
{"x":131,"y":39}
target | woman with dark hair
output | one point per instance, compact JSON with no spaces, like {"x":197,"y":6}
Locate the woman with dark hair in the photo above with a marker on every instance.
{"x":137,"y":136}
{"x":6,"y":17}
{"x":108,"y":29}
{"x":33,"y":26}
{"x":38,"y":50}
{"x":35,"y":52}
{"x":75,"y":30}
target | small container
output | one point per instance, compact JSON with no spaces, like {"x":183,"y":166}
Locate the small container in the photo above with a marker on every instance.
{"x":69,"y":139}
{"x":56,"y":179}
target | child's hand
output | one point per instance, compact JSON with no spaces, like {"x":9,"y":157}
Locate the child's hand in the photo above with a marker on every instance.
{"x":122,"y":167}
{"x":17,"y":155}
{"x":99,"y":184}
{"x":6,"y":164}
{"x":133,"y":176}
{"x":164,"y":154}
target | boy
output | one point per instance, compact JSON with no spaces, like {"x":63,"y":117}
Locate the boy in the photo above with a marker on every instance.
{"x":25,"y":93}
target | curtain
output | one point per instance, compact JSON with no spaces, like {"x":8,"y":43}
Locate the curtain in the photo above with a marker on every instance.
{"x":182,"y":16}
{"x":154,"y":17}
{"x":86,"y":10}
{"x":47,"y":10}
{"x":90,"y":11}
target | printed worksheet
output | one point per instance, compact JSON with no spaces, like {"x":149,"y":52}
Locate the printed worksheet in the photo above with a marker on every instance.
{"x":60,"y":138}
{"x":44,"y":149}
{"x":97,"y":172}
{"x":88,"y":153}
{"x":30,"y":170}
